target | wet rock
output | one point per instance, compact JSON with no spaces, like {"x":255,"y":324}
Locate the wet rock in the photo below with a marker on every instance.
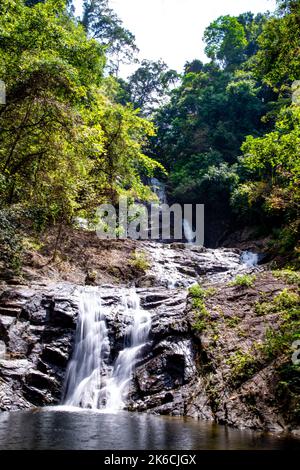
{"x":37,"y":310}
{"x":55,"y":355}
{"x":38,"y":397}
{"x":41,"y":381}
{"x":14,"y":369}
{"x":5,"y":324}
{"x":38,"y":343}
{"x":2,"y":349}
{"x":63,"y":313}
{"x":12,"y":399}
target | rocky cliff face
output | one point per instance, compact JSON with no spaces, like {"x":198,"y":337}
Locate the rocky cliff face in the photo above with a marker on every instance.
{"x":221,"y":372}
{"x":216,"y":371}
{"x":37,"y":327}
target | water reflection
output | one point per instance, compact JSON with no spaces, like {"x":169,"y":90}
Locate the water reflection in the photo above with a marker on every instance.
{"x":83,"y":429}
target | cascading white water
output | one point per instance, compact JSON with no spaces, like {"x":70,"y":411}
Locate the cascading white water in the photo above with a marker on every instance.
{"x":249,"y":258}
{"x":159,"y":189}
{"x":90,"y":381}
{"x":137,"y":335}
{"x":83,"y":379}
{"x":188,"y":232}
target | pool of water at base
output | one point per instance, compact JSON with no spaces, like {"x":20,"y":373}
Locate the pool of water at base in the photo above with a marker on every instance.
{"x":78,"y":429}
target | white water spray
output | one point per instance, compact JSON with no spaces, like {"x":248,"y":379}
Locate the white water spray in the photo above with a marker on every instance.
{"x":91,"y":382}
{"x":249,"y":258}
{"x":137,"y":335}
{"x":91,"y":350}
{"x":188,"y":231}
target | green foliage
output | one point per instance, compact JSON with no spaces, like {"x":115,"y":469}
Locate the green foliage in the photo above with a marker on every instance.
{"x":199,"y":324}
{"x":66,"y":145}
{"x":273,"y":166}
{"x":10,"y":240}
{"x":277,"y":60}
{"x":140,"y":261}
{"x":286,"y":302}
{"x":149,"y":85}
{"x":233,"y":321}
{"x":264,"y":308}
{"x":231,"y":40}
{"x":200,"y":131}
{"x":225,"y":41}
{"x":103,"y":24}
{"x":200,"y":312}
{"x":279,"y":341}
{"x":241,"y":99}
{"x":284,"y":240}
{"x":288,"y":275}
{"x":243,"y":366}
{"x":288,"y":390}
{"x":198,"y":292}
{"x":243,"y":280}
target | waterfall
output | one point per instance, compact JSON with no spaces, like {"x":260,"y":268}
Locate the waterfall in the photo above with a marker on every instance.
{"x":137,"y":335}
{"x":249,"y":258}
{"x":91,"y":349}
{"x":91,"y":380}
{"x":188,"y":232}
{"x":159,"y":189}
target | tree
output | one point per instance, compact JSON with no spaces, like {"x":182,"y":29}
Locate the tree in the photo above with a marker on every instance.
{"x":210,"y":110}
{"x":226,"y":41}
{"x":253,"y":27}
{"x":272,"y":167}
{"x":230,"y":40}
{"x":288,"y":6}
{"x":31,"y":3}
{"x":148,"y":86}
{"x":102,"y":23}
{"x":196,"y":66}
{"x":42,"y":124}
{"x":277,"y":62}
{"x":65,"y":144}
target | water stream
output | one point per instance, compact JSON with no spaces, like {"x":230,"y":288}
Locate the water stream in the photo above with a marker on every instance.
{"x":90,"y":381}
{"x":136,"y":337}
{"x":83,"y":381}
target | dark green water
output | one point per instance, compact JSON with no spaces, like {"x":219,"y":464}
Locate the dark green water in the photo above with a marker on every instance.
{"x":83,"y":429}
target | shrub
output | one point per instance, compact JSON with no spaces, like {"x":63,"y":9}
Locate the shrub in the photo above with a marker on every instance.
{"x":286,"y":299}
{"x":288,"y":275}
{"x":285,"y":302}
{"x":233,"y":322}
{"x":140,"y":261}
{"x":279,"y":341}
{"x":201,"y":314}
{"x":196,"y":291}
{"x":243,"y":366}
{"x":10,"y":240}
{"x":243,"y":280}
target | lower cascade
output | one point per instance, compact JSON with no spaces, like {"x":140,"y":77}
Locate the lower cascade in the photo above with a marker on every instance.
{"x":91,"y":382}
{"x":113,"y":329}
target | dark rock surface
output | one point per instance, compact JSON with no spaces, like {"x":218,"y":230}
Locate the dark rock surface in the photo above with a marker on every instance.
{"x":37,"y":326}
{"x":190,"y":372}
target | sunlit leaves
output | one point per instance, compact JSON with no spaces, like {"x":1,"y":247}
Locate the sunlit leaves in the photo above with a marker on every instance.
{"x":66,"y":145}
